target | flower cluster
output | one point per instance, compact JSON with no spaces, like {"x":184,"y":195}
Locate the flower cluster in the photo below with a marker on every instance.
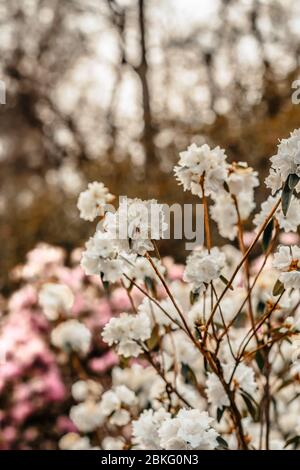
{"x":207,"y":353}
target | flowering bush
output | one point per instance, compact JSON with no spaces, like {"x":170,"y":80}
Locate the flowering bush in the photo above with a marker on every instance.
{"x":208,"y":353}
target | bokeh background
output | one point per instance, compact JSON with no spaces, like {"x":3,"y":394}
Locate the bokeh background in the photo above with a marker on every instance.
{"x":112,"y":90}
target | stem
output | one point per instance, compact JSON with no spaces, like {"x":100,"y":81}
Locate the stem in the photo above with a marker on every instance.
{"x":247,"y":271}
{"x":168,"y":384}
{"x":206,"y":215}
{"x":250,"y":248}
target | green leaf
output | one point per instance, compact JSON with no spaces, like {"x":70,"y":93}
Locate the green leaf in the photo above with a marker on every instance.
{"x":105,"y":283}
{"x":194,"y":296}
{"x":153,"y":341}
{"x":220,"y":412}
{"x":150,"y":284}
{"x":225,"y":281}
{"x":188,"y":374}
{"x":260,"y":360}
{"x":222,"y":443}
{"x":251,"y":405}
{"x":267,"y":235}
{"x":226,"y":187}
{"x":286,"y":196}
{"x":278,"y":288}
{"x":293,"y":180}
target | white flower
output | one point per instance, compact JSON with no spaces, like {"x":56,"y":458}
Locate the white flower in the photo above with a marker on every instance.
{"x":145,"y":429}
{"x":55,"y":299}
{"x":126,"y":331}
{"x":91,"y":203}
{"x":87,"y":416}
{"x":203,"y":267}
{"x":113,"y":402}
{"x":71,"y":335}
{"x":126,"y":395}
{"x":83,"y":389}
{"x":156,"y":314}
{"x":102,"y":256}
{"x":215,"y":391}
{"x":110,"y":402}
{"x":138,"y":222}
{"x":112,"y":443}
{"x":120,"y":418}
{"x":190,"y":429}
{"x":287,"y":260}
{"x":72,"y":441}
{"x":224,"y":213}
{"x":241,"y":179}
{"x":288,"y":223}
{"x":197,"y":162}
{"x":243,"y":380}
{"x":273,"y":181}
{"x":287,"y":159}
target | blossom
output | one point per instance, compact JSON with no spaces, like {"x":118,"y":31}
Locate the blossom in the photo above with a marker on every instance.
{"x":71,"y":335}
{"x":145,"y":428}
{"x":126,"y":332}
{"x":287,"y":260}
{"x":202,"y":267}
{"x":164,"y":315}
{"x":91,"y":202}
{"x":224,"y":213}
{"x":113,"y":443}
{"x":72,"y":441}
{"x":190,"y":430}
{"x":286,"y":162}
{"x":113,"y":404}
{"x":138,"y":222}
{"x":288,"y":223}
{"x":84,"y":389}
{"x":87,"y":416}
{"x":102,"y":257}
{"x":202,"y":162}
{"x":243,"y":379}
{"x":55,"y":299}
{"x":241,"y":179}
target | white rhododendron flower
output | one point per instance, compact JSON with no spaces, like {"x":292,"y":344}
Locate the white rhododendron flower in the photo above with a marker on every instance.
{"x":91,"y":203}
{"x":189,"y":430}
{"x":203,"y":267}
{"x":113,"y":403}
{"x":287,"y":260}
{"x":241,"y":179}
{"x":286,"y":162}
{"x":202,"y":162}
{"x":73,"y":441}
{"x":71,"y":336}
{"x":243,"y":379}
{"x":55,"y":299}
{"x":288,"y":223}
{"x":126,"y":332}
{"x":84,"y":389}
{"x":138,"y":222}
{"x":87,"y":416}
{"x":145,"y":430}
{"x":113,"y":443}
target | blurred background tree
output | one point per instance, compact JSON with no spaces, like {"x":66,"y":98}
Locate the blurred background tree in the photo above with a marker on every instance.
{"x":113,"y":89}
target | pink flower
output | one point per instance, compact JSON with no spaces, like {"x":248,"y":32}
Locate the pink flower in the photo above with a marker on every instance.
{"x":103,"y":363}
